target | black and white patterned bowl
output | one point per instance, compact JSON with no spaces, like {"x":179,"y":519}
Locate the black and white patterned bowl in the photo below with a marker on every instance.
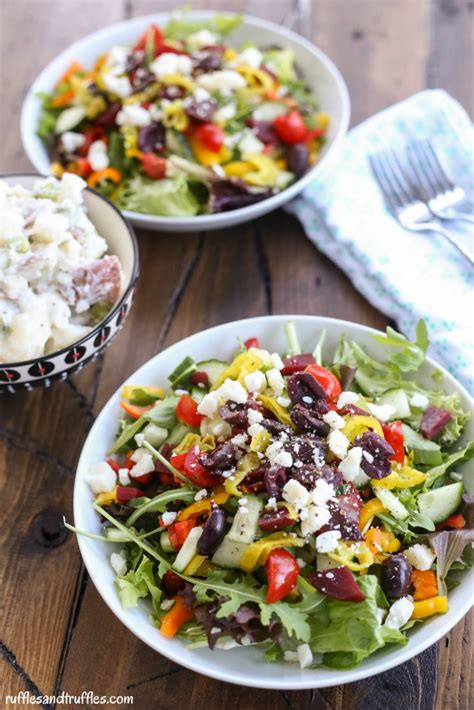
{"x":120,"y":237}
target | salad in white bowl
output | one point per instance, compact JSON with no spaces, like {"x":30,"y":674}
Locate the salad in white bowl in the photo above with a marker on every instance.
{"x":303,"y":508}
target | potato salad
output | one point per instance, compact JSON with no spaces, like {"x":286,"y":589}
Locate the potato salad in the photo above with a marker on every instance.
{"x":56,"y":280}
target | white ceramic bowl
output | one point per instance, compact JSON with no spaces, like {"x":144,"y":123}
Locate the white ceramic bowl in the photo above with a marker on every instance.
{"x":244,"y":666}
{"x":320,"y":73}
{"x":58,"y":365}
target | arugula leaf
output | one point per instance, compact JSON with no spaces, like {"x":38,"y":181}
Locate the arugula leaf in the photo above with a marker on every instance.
{"x":450,"y":460}
{"x":243,"y":591}
{"x":353,"y":632}
{"x":158,"y":503}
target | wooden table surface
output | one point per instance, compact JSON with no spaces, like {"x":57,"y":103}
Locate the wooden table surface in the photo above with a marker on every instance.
{"x":56,"y":633}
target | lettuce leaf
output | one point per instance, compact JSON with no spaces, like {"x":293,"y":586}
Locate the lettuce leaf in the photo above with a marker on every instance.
{"x":281,"y":61}
{"x":180,"y":26}
{"x":170,"y":197}
{"x":162,"y":414}
{"x":457,"y":457}
{"x":353,"y":632}
{"x":139,"y":583}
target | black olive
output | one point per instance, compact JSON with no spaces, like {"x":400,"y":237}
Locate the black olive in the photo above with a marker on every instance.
{"x":297,"y":157}
{"x":395,"y":576}
{"x":213,"y":532}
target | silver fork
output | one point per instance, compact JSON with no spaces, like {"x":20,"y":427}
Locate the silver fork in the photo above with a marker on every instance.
{"x":435,"y":186}
{"x":404,"y":202}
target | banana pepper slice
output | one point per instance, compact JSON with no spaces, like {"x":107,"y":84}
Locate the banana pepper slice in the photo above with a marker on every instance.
{"x":256,"y":554}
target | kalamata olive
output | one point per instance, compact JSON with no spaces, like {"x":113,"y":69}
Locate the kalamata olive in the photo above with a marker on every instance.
{"x":142,"y":79}
{"x":395,"y":576}
{"x":237,"y":414}
{"x":166,"y":452}
{"x":297,"y":158}
{"x":306,"y":447}
{"x":308,"y":421}
{"x":219,"y":459}
{"x":107,"y":118}
{"x":213,"y":531}
{"x":275,"y":520}
{"x":151,"y":139}
{"x":200,"y":378}
{"x":135,"y":60}
{"x":254,"y":481}
{"x":275,"y":478}
{"x":304,"y":389}
{"x":377,"y":462}
{"x":201,"y":110}
{"x":171,"y":92}
{"x":207,"y":61}
{"x":275,"y":427}
{"x":263,"y":130}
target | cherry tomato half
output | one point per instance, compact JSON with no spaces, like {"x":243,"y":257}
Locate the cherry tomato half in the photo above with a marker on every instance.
{"x":327,"y":380}
{"x":196,"y":473}
{"x":187,"y":412}
{"x":153,"y":166}
{"x":210,"y":135}
{"x":290,"y":127}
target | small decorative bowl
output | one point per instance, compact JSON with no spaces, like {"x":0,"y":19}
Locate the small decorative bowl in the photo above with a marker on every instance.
{"x":120,"y":237}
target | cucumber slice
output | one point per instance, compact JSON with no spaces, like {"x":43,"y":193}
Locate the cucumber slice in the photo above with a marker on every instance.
{"x":398,"y":400}
{"x":440,"y":503}
{"x":244,"y":526}
{"x":390,"y":501}
{"x":269,"y":110}
{"x":228,"y":553}
{"x":241,"y":534}
{"x":69,"y":119}
{"x":165,"y":542}
{"x":425,"y":452}
{"x":188,"y":550}
{"x":213,"y":369}
{"x":177,"y":434}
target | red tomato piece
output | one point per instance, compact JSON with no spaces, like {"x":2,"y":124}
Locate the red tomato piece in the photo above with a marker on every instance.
{"x":186,"y":411}
{"x":290,"y":127}
{"x":178,"y":461}
{"x":196,"y":473}
{"x":393,"y":434}
{"x":282,"y":573}
{"x":153,"y":166}
{"x":91,"y":135}
{"x":297,"y":363}
{"x":125,"y":493}
{"x":210,"y":135}
{"x":327,"y":380}
{"x":178,"y":532}
{"x":337,"y":583}
{"x":251,"y":343}
{"x":113,"y":464}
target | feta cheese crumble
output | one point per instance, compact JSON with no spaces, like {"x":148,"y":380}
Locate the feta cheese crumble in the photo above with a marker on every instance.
{"x":169,"y":517}
{"x":328,"y":541}
{"x":350,"y":465}
{"x":305,"y":655}
{"x":419,"y":400}
{"x":118,"y":562}
{"x":346,"y":398}
{"x":255,"y":381}
{"x":334,"y":420}
{"x":338,"y":443}
{"x":275,"y":381}
{"x":420,"y":556}
{"x":399,"y":613}
{"x":101,"y":478}
{"x":381,"y":411}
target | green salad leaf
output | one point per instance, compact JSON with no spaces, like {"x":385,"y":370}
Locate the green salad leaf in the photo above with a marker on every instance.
{"x":179,"y":25}
{"x":408,"y":356}
{"x":282,"y":62}
{"x":244,"y":591}
{"x":139,"y":583}
{"x":170,"y":197}
{"x":353,"y":631}
{"x":163,"y":414}
{"x":449,"y":460}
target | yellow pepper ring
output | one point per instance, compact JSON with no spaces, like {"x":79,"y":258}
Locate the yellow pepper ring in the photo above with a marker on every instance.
{"x":345,"y":554}
{"x":259,"y":81}
{"x":402,"y":477}
{"x":256,"y":554}
{"x":358,"y":424}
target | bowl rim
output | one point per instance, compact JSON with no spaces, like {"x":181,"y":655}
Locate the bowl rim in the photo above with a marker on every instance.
{"x":334,"y":677}
{"x":116,"y":309}
{"x":218,"y":218}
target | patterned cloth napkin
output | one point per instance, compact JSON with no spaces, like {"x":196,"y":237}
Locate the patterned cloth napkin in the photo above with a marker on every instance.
{"x":405,"y":275}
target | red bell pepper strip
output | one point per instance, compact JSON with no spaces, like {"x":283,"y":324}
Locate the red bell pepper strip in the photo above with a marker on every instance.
{"x":114,"y":464}
{"x":178,"y":532}
{"x":456,"y":522}
{"x":282,"y":573}
{"x":327,"y":380}
{"x":186,"y":411}
{"x":152,"y":34}
{"x":393,"y":434}
{"x":251,"y":343}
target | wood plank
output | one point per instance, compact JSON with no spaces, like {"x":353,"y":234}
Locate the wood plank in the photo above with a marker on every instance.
{"x":380,"y":48}
{"x":450,"y":64}
{"x":455,"y":681}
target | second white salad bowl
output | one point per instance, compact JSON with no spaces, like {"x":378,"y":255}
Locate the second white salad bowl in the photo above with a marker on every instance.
{"x":319,"y":72}
{"x":246,"y":665}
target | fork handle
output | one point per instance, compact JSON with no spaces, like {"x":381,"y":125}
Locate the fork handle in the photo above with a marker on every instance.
{"x":448,"y":215}
{"x":435,"y":227}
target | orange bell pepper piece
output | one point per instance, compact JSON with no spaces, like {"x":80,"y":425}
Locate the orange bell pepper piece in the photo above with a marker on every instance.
{"x":63,"y":99}
{"x":425,"y":584}
{"x":107,"y":174}
{"x":133,"y":410}
{"x":178,"y":615}
{"x":73,"y":68}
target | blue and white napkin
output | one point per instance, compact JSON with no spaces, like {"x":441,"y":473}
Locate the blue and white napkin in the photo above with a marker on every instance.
{"x":407,"y":276}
